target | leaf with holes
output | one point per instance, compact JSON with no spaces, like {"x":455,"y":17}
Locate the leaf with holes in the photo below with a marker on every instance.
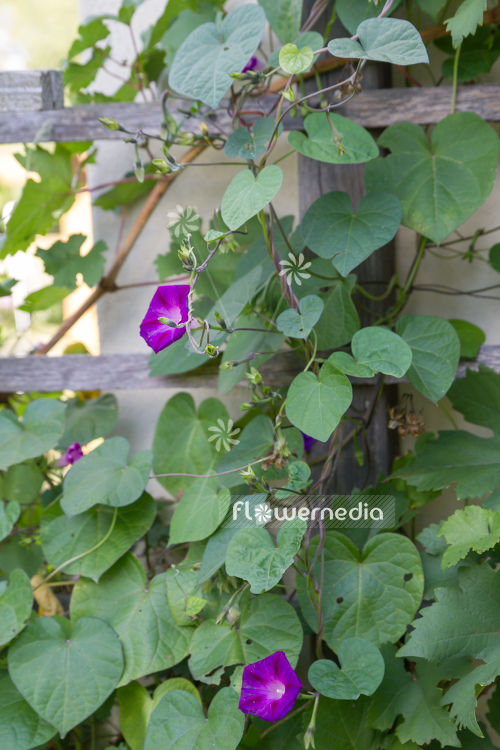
{"x":362,"y":671}
{"x":332,"y":229}
{"x":246,"y":195}
{"x":316,"y":404}
{"x":382,"y":351}
{"x":202,"y":66}
{"x":84,"y":662}
{"x":344,"y":143}
{"x":39,"y":430}
{"x":16,"y":601}
{"x":299,"y":324}
{"x":389,"y":40}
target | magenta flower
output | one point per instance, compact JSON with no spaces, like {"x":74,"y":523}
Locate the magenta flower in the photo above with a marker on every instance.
{"x":169,"y":303}
{"x":74,"y":453}
{"x":270,"y":688}
{"x":254,"y":64}
{"x":308,"y":441}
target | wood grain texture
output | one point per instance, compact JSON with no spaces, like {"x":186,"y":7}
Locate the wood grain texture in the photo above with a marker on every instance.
{"x":31,"y":90}
{"x":372,"y":109}
{"x":128,"y":371}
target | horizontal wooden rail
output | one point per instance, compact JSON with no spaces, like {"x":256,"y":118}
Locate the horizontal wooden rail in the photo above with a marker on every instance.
{"x":372,"y":109}
{"x":128,"y":371}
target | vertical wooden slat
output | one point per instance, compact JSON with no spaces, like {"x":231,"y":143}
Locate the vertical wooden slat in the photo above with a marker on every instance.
{"x":315,"y":179}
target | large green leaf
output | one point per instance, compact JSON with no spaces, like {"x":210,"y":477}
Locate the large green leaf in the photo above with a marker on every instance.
{"x":21,"y":482}
{"x":466,"y":20}
{"x":84,"y":663}
{"x":178,"y":722}
{"x":250,"y":144}
{"x":417,"y":699}
{"x":40,"y":429}
{"x":267,"y":624}
{"x":181,"y":442}
{"x":16,"y":602}
{"x":351,"y":144}
{"x":203,"y":63}
{"x":342,"y":725}
{"x":246,"y":195}
{"x":473,"y":528}
{"x":138,"y":611}
{"x":381,"y":350}
{"x":63,"y":539}
{"x":20,"y":727}
{"x":88,"y":419}
{"x":255,"y":440}
{"x":456,"y":456}
{"x":251,"y":554}
{"x":388,"y":40}
{"x":177,"y":358}
{"x":200,"y":512}
{"x":9,"y":513}
{"x":361,"y":674}
{"x":316,"y":404}
{"x":442,"y":184}
{"x":333,"y":230}
{"x":340,"y":308}
{"x":299,"y":324}
{"x":372,"y":594}
{"x":462,"y":695}
{"x":285,"y":18}
{"x":435,"y":349}
{"x":63,"y":261}
{"x":477,"y":397}
{"x":106,"y":476}
{"x":353,"y":12}
{"x":471,"y":337}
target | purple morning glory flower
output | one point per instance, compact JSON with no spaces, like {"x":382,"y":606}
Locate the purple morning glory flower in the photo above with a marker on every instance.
{"x":270,"y":688}
{"x":254,"y":64}
{"x":74,"y":453}
{"x":170,"y":301}
{"x":308,"y":441}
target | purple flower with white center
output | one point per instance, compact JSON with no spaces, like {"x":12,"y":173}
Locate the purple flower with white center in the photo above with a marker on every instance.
{"x":270,"y":688}
{"x":254,"y":64}
{"x":74,"y":453}
{"x":170,"y":303}
{"x":308,"y":441}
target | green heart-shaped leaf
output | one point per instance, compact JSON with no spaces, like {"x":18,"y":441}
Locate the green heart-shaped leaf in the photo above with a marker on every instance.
{"x":298,"y":325}
{"x":435,"y":350}
{"x":20,"y":727}
{"x":105,"y":476}
{"x":293,"y":60}
{"x":362,"y":671}
{"x":333,"y":230}
{"x":203,"y":63}
{"x":316,"y":405}
{"x":9,"y":513}
{"x":63,"y":538}
{"x":40,"y":429}
{"x":382,"y":351}
{"x":138,"y":611}
{"x":199,"y":513}
{"x":15,"y":605}
{"x":442,"y":184}
{"x":348,"y":365}
{"x":250,"y":144}
{"x":178,"y":722}
{"x":246,"y":195}
{"x":284,"y":17}
{"x":385,"y":39}
{"x":349,"y":143}
{"x":84,"y":664}
{"x":251,"y":554}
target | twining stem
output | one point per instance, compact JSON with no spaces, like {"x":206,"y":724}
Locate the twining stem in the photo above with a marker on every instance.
{"x":107,"y":283}
{"x":208,"y":476}
{"x":455,"y":79}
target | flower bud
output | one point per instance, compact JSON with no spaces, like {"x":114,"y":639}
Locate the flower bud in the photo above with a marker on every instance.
{"x":245,"y":406}
{"x":203,"y":128}
{"x":227,"y":365}
{"x":212,"y":351}
{"x":168,"y":322}
{"x":220,"y":320}
{"x":139,"y":171}
{"x":254,"y":376}
{"x":110,"y":123}
{"x":161,"y":166}
{"x":233,"y":615}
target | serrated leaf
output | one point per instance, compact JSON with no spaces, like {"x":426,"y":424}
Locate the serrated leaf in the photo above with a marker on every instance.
{"x":203,"y":63}
{"x":462,"y":695}
{"x":44,"y":299}
{"x":20,"y":727}
{"x":9,"y":513}
{"x":178,"y":719}
{"x":138,"y":611}
{"x":435,"y":349}
{"x":295,"y":61}
{"x":91,"y":32}
{"x":251,"y":554}
{"x":361,"y":588}
{"x":106,"y":476}
{"x":246,"y":195}
{"x":473,"y":528}
{"x":354,"y":144}
{"x":84,"y":662}
{"x":299,"y":324}
{"x":442,"y":184}
{"x":382,"y":351}
{"x":316,"y":404}
{"x":332,"y":229}
{"x":63,"y":539}
{"x":15,"y":606}
{"x":63,"y":261}
{"x":362,"y":671}
{"x":468,"y":17}
{"x":389,"y":40}
{"x":39,"y":430}
{"x":284,"y":16}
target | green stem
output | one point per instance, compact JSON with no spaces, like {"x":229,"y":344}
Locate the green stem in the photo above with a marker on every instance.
{"x":401,"y":302}
{"x":455,"y":79}
{"x":448,"y":414}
